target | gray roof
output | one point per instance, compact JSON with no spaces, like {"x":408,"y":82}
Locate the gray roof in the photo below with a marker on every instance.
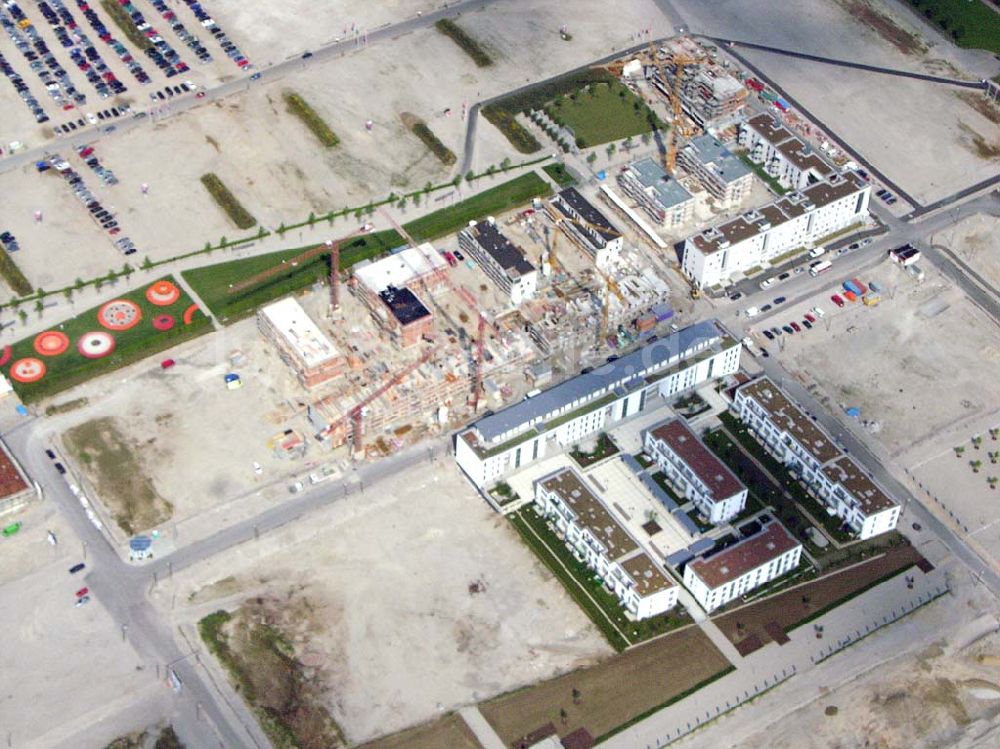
{"x":668,"y":190}
{"x":719,"y":159}
{"x":493,"y":241}
{"x":606,"y":378}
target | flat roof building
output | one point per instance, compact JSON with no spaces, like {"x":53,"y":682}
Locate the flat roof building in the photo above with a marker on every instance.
{"x":15,"y":489}
{"x":795,"y":439}
{"x":300,"y":342}
{"x":710,"y":94}
{"x":501,"y":259}
{"x":694,"y":471}
{"x":404,"y":267}
{"x":719,"y":171}
{"x":656,"y":192}
{"x":722,"y":576}
{"x":409,"y":320}
{"x":783,"y":156}
{"x":502,"y":442}
{"x":592,"y":533}
{"x":722,"y":253}
{"x":589,"y":228}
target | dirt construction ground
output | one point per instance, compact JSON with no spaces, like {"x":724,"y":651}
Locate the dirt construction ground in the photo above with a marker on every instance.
{"x":913,"y":365}
{"x":397,"y":635}
{"x":893,"y":122}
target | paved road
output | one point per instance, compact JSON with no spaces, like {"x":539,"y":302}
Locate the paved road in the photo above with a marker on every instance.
{"x":272,"y":73}
{"x":849,"y":64}
{"x":122,"y":588}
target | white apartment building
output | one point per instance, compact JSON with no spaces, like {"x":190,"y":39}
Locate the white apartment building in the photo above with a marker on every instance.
{"x":718,"y":170}
{"x":657,"y":193}
{"x":592,"y":533}
{"x":695,"y":472}
{"x":718,"y":255}
{"x":500,"y":443}
{"x":719,"y":578}
{"x":502,"y":261}
{"x":586,"y":226}
{"x":835,"y":479}
{"x":783,"y":156}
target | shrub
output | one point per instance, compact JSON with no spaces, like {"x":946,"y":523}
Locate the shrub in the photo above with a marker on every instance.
{"x":227,"y":201}
{"x":316,"y":124}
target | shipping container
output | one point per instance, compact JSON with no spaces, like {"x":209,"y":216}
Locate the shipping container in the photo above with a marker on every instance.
{"x":645,"y":323}
{"x":860,"y":288}
{"x":850,"y":296}
{"x":661,"y":312}
{"x":754,"y":85}
{"x":871,"y":299}
{"x":852,"y":287}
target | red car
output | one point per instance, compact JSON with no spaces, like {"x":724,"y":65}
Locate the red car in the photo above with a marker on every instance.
{"x":837,"y":300}
{"x":810,"y":318}
{"x":200,"y":95}
{"x":82,"y":592}
{"x":167,"y":363}
{"x":796,"y":327}
{"x":86,"y":151}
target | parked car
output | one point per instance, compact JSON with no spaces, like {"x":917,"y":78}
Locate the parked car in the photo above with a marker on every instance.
{"x":76,"y":568}
{"x":767,"y":283}
{"x":769,"y":335}
{"x":787,"y":329}
{"x":779,"y":300}
{"x":796,"y":327}
{"x":807,"y":324}
{"x":82,"y":592}
{"x":167,"y":363}
{"x":763,"y":352}
{"x":82,"y":601}
{"x":809,"y":317}
{"x":837,"y":300}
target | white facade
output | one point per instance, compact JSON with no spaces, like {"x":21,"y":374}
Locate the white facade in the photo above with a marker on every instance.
{"x":586,"y":226}
{"x":834,"y":478}
{"x":783,"y":156}
{"x":718,"y":170}
{"x":739,"y":569}
{"x":587,"y":404}
{"x":723,"y":253}
{"x":503,"y":262}
{"x":591,"y":532}
{"x":695,"y":472}
{"x":657,"y":193}
{"x":402,"y":268}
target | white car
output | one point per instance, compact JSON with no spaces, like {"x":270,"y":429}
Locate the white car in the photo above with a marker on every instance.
{"x":258,"y":468}
{"x":752,"y":312}
{"x":817,"y":252}
{"x":768,"y":283}
{"x":818,"y":311}
{"x":82,"y":601}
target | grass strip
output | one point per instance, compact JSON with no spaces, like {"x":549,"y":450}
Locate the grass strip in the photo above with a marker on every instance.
{"x":970,"y":23}
{"x":445,"y":155}
{"x":766,"y":178}
{"x":673,"y":700}
{"x":469,"y":45}
{"x":13,"y":276}
{"x":559,"y":174}
{"x":212,"y":282}
{"x":316,"y":124}
{"x":227,"y":201}
{"x":573,"y":584}
{"x":124,"y":21}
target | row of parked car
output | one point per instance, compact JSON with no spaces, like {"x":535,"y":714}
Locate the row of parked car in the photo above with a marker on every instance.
{"x":231,"y":50}
{"x":23,"y":91}
{"x":161,"y":53}
{"x":809,"y":319}
{"x":105,"y":115}
{"x":105,"y":36}
{"x":193,"y":43}
{"x":81,"y":51}
{"x":169,"y":92}
{"x":40,"y":58}
{"x":100,"y":214}
{"x":106,"y":175}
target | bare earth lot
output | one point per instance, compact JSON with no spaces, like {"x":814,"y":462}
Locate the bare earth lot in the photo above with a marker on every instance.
{"x":913,"y":365}
{"x":451,"y":732}
{"x":397,"y":635}
{"x":893,"y":122}
{"x":976,"y":240}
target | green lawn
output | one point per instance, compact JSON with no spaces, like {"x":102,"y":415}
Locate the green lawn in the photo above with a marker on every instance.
{"x":212,"y":282}
{"x":603,"y":112}
{"x":766,"y":178}
{"x":71,"y":368}
{"x":559,"y":174}
{"x":969,"y":23}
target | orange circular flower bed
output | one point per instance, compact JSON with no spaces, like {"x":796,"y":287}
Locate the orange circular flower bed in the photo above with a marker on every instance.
{"x":51,"y":343}
{"x":119,"y":314}
{"x":95,"y":344}
{"x":28,"y":369}
{"x":163,"y":293}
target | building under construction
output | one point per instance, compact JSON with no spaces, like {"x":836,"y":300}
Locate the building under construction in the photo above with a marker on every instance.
{"x":710,"y":94}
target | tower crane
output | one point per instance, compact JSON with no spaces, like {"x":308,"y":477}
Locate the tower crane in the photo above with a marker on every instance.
{"x":678,"y":125}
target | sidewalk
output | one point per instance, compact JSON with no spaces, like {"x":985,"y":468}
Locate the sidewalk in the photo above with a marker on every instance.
{"x":483,"y":730}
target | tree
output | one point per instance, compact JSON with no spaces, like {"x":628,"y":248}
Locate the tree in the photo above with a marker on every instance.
{"x":330,"y":217}
{"x":428,"y":187}
{"x":207,"y":247}
{"x":959,"y":450}
{"x":491,"y":170}
{"x":23,"y":316}
{"x":505,"y":164}
{"x":976,"y":465}
{"x":416,"y":198}
{"x":282,"y":229}
{"x":401,"y":205}
{"x":98,"y":283}
{"x":357,"y":214}
{"x":457,"y":180}
{"x":994,"y":456}
{"x":995,"y":433}
{"x":610,"y":150}
{"x":312,"y":218}
{"x":591,"y":157}
{"x":992,"y":481}
{"x":977,"y":441}
{"x":127,"y":271}
{"x":79,"y":284}
{"x":576,"y":696}
{"x":147,"y":264}
{"x":68,"y":293}
{"x":645,"y":138}
{"x":469,"y":176}
{"x":39,"y":308}
{"x":223,"y":241}
{"x":262,"y":232}
{"x":563,"y":715}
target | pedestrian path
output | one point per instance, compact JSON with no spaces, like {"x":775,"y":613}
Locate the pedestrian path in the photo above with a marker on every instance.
{"x":483,"y":730}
